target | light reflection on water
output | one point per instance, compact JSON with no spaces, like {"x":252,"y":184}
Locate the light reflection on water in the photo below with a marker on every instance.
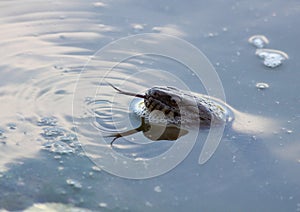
{"x":44,"y":46}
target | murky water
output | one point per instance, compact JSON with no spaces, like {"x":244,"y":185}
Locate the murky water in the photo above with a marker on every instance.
{"x":46,"y":44}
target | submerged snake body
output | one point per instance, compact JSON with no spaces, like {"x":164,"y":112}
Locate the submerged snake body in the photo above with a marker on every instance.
{"x":177,"y":109}
{"x":168,"y":105}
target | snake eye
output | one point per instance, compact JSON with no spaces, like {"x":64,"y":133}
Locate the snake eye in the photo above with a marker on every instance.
{"x":174,"y":101}
{"x":155,"y":94}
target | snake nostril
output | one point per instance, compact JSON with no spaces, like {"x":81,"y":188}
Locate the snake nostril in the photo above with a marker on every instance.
{"x":155,"y":105}
{"x":167,"y":111}
{"x":176,"y":114}
{"x":160,"y":107}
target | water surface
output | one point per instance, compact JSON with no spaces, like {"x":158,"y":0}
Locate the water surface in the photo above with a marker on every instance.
{"x":45,"y":45}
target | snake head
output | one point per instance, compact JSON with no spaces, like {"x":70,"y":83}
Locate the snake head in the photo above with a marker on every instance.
{"x":165,"y":99}
{"x":177,"y":104}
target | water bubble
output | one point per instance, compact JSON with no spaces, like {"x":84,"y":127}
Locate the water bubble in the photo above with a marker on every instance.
{"x":12,"y":126}
{"x":47,"y":121}
{"x":212,"y":34}
{"x":233,"y":159}
{"x":149,"y":204}
{"x":157,"y":189}
{"x":52,"y":132}
{"x":68,"y":138}
{"x":137,"y":27}
{"x":156,"y":29}
{"x":60,"y":168}
{"x":225,"y":29}
{"x":58,"y":147}
{"x":99,"y":4}
{"x":74,"y":183}
{"x":102,"y":205}
{"x":272,"y":58}
{"x":57,"y":157}
{"x":259,"y":41}
{"x":262,"y":85}
{"x":96,"y":168}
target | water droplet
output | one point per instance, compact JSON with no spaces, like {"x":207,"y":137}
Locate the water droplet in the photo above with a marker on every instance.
{"x":259,"y":41}
{"x":272,"y":58}
{"x":74,"y":183}
{"x":261,"y":85}
{"x":102,"y":205}
{"x":157,"y":189}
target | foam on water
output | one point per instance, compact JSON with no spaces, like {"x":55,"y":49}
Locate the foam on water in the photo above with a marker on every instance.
{"x":259,"y":41}
{"x":262,"y":85}
{"x":271,"y":57}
